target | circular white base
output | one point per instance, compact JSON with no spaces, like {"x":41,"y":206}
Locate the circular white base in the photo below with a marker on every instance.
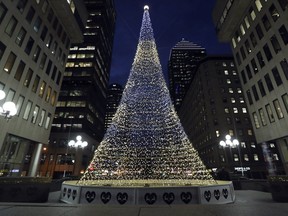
{"x":219,"y":193}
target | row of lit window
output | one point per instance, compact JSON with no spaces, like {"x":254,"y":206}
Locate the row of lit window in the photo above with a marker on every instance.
{"x":79,"y":64}
{"x":231,"y":133}
{"x":28,"y":111}
{"x":269,"y":112}
{"x":81,"y":56}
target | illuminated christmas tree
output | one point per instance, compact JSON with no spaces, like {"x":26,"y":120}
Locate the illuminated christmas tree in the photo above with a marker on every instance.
{"x":145,"y":140}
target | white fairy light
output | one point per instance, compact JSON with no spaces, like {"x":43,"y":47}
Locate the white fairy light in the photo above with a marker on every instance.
{"x":145,"y":141}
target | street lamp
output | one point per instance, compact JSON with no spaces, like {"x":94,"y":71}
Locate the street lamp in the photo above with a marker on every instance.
{"x":78,"y":143}
{"x":8,"y":109}
{"x":232,"y":144}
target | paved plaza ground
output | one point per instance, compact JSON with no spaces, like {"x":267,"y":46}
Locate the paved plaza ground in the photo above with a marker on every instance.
{"x":247,"y":203}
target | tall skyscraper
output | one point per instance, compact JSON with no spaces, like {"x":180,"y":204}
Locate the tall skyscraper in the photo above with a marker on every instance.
{"x":113,"y":99}
{"x":34,"y":45}
{"x":214,"y":107}
{"x":183,"y":60}
{"x":258,"y":33}
{"x":82,"y":100}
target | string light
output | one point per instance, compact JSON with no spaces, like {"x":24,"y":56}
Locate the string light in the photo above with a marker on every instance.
{"x":145,"y":141}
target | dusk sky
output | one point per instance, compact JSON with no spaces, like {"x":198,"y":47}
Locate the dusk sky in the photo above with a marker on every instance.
{"x":171,"y":21}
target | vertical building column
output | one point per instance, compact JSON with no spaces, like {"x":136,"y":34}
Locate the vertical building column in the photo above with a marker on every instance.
{"x":35,"y":160}
{"x":282,"y":145}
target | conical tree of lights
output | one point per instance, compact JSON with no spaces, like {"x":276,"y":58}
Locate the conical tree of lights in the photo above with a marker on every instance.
{"x":145,"y":141}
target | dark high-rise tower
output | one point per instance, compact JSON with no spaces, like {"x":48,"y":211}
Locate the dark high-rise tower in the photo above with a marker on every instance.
{"x":183,"y":60}
{"x":113,"y":99}
{"x":82,"y":100}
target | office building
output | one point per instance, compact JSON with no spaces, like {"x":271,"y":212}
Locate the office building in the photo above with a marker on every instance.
{"x":183,"y":60}
{"x":257,"y":32}
{"x":81,"y":105}
{"x":113,"y":99}
{"x":214,"y":107}
{"x":34,"y":45}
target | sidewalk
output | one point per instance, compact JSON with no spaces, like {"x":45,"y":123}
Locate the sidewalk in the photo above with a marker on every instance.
{"x":247,"y":203}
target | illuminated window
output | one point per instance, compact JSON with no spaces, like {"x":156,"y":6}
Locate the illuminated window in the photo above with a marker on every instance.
{"x":48,"y":94}
{"x":256,"y":158}
{"x":48,"y":119}
{"x":28,"y":77}
{"x":256,"y":120}
{"x":236,"y":157}
{"x":278,"y":109}
{"x":253,"y":145}
{"x":235,"y":110}
{"x":217,"y":133}
{"x":42,"y":89}
{"x":262,"y":117}
{"x":10,"y":62}
{"x":249,"y":131}
{"x":247,"y":23}
{"x":226,"y":110}
{"x":20,"y":37}
{"x":42,"y":116}
{"x":252,"y":13}
{"x":242,"y":29}
{"x":246,"y":158}
{"x":258,"y":5}
{"x":35,"y":114}
{"x":233,"y":100}
{"x":272,"y":145}
{"x":228,"y":81}
{"x":27,"y":110}
{"x":231,"y":132}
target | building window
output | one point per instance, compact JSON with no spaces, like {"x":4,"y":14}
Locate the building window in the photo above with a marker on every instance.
{"x":3,"y":11}
{"x":248,"y":47}
{"x":259,"y":31}
{"x":283,"y":63}
{"x":19,"y":70}
{"x":277,"y":77}
{"x":48,"y":94}
{"x":233,"y":100}
{"x":49,"y":66}
{"x":253,"y":145}
{"x":54,"y":47}
{"x":242,"y":29}
{"x":44,"y":6}
{"x":236,"y":157}
{"x":261,"y":87}
{"x":29,"y":45}
{"x":226,"y":109}
{"x":43,"y":61}
{"x":10,"y":62}
{"x":253,"y":39}
{"x":28,"y":77}
{"x":247,"y":23}
{"x":270,"y":113}
{"x":35,"y":84}
{"x":48,"y":119}
{"x":20,"y":37}
{"x":59,"y":76}
{"x":231,"y":132}
{"x":258,"y":5}
{"x":254,"y":66}
{"x":274,"y":13}
{"x":250,"y":132}
{"x":230,"y":90}
{"x":285,"y":101}
{"x":246,"y":158}
{"x":256,"y":158}
{"x":283,"y":4}
{"x":255,"y":93}
{"x":248,"y":93}
{"x":19,"y":104}
{"x":238,"y":58}
{"x":44,"y":33}
{"x":233,"y":42}
{"x":252,"y":13}
{"x":239,"y":91}
{"x":248,"y":70}
{"x":284,"y":34}
{"x":268,"y":82}
{"x":42,"y":89}
{"x":243,"y":53}
{"x":37,"y":24}
{"x":55,"y":23}
{"x":278,"y":109}
{"x":50,"y":15}
{"x":49,"y":41}
{"x":260,"y":59}
{"x":244,"y":110}
{"x":36,"y":54}
{"x":2,"y":49}
{"x":35,"y":114}
{"x":275,"y":44}
{"x":256,"y":120}
{"x":241,"y":100}
{"x":267,"y":52}
{"x":235,"y":110}
{"x":54,"y":73}
{"x":11,"y":26}
{"x":262,"y":117}
{"x":30,"y":15}
{"x":243,"y":76}
{"x":42,"y":117}
{"x":217,"y":133}
{"x":53,"y":98}
{"x":27,"y":110}
{"x":266,"y":22}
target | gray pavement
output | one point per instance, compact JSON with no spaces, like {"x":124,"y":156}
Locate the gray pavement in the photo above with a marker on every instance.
{"x":247,"y":203}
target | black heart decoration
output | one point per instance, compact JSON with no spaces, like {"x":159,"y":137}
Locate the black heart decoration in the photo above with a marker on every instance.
{"x":207,"y":195}
{"x":217,"y":194}
{"x":168,"y":198}
{"x":90,"y":196}
{"x":186,"y":197}
{"x":69,"y":192}
{"x":122,"y":198}
{"x":105,"y":197}
{"x":225,"y":193}
{"x":150,"y":198}
{"x":74,"y":194}
{"x":64,"y":192}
